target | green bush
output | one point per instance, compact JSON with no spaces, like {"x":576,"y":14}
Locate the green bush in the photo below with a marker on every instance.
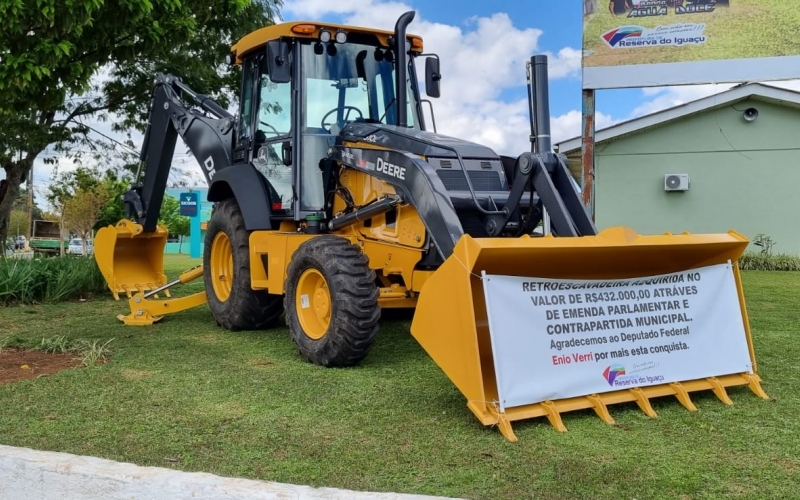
{"x":763,"y":262}
{"x":27,"y":281}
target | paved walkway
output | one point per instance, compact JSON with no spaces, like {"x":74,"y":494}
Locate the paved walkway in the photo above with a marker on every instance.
{"x":27,"y":474}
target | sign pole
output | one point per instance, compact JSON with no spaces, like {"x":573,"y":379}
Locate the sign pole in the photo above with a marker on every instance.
{"x":587,"y":152}
{"x":194,"y":237}
{"x":190,"y":207}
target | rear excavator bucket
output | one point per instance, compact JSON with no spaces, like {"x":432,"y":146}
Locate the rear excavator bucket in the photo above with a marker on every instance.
{"x":131,"y":260}
{"x":586,"y":322}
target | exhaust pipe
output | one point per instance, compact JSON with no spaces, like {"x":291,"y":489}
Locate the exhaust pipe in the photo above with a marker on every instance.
{"x":401,"y":75}
{"x":539,"y":102}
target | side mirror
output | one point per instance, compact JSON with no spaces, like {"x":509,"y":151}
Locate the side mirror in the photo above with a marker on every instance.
{"x":432,"y":76}
{"x":286,"y":153}
{"x":278,"y":61}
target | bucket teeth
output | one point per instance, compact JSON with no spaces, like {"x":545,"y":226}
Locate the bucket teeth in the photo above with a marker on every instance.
{"x":452,"y":319}
{"x":601,"y":409}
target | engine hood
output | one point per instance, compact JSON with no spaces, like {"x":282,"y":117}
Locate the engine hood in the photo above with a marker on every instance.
{"x":417,"y":142}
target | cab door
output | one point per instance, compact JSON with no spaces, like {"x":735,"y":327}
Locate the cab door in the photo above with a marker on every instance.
{"x":273,"y":144}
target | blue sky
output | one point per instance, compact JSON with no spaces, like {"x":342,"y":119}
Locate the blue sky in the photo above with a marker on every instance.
{"x":483,"y":46}
{"x":560,"y":26}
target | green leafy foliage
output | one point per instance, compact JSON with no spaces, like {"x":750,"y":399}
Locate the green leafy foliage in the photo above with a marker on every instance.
{"x":63,"y":61}
{"x":19,"y":223}
{"x":94,"y":352}
{"x":78,"y":198}
{"x":21,"y":204}
{"x":56,"y":344}
{"x":91,"y":352}
{"x":114,"y":210}
{"x":177,"y":224}
{"x":763,"y":262}
{"x":29,"y":281}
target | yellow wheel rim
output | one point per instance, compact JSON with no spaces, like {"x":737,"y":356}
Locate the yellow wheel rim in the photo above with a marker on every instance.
{"x":313,"y":303}
{"x":221,"y":266}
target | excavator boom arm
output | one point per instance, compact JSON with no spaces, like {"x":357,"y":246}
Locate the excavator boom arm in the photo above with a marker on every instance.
{"x":209,"y":138}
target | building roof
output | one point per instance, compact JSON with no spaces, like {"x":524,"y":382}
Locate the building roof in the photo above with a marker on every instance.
{"x":758,"y":91}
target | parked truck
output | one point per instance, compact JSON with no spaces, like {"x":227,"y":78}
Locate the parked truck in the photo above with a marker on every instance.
{"x":46,"y":237}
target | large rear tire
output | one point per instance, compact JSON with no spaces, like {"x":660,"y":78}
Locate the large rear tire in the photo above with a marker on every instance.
{"x":226,"y":261}
{"x":331,"y":302}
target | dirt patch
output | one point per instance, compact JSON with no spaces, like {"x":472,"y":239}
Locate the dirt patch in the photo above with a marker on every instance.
{"x":18,"y":364}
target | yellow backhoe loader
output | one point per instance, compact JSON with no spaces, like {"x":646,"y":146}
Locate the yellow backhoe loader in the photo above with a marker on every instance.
{"x":333,"y":201}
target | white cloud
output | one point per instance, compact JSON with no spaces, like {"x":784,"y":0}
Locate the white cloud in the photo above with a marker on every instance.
{"x":566,"y":63}
{"x":569,"y":124}
{"x":483,"y":59}
{"x":480,"y":59}
{"x":667,"y":97}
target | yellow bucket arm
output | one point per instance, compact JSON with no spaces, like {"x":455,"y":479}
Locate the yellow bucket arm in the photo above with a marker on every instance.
{"x":145,"y":312}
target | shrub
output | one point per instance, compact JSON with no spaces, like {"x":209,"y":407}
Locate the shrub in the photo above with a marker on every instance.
{"x":765,"y":242}
{"x":764,"y":262}
{"x":52,"y":279}
{"x":90,"y":352}
{"x":93,"y":352}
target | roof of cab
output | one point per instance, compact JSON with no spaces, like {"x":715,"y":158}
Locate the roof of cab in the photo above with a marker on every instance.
{"x":261,"y":36}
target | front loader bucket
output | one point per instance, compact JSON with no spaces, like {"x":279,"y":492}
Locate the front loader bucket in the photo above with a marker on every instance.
{"x":131,"y":260}
{"x":585,"y":322}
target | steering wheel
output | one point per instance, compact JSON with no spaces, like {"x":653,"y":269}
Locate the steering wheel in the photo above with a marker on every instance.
{"x":346,"y":116}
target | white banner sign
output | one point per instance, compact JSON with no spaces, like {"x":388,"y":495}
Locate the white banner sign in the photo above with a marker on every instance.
{"x":554,"y":339}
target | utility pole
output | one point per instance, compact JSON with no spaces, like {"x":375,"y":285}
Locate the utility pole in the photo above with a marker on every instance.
{"x":30,"y":202}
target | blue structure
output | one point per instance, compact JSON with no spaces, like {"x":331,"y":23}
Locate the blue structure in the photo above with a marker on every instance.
{"x":193,"y":205}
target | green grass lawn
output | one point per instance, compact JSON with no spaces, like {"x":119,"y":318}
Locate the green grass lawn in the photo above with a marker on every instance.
{"x":186,"y":394}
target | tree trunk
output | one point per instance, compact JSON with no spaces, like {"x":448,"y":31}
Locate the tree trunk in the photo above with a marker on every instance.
{"x":61,"y":225}
{"x":16,"y":173}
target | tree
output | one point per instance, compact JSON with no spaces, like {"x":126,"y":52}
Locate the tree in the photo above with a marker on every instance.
{"x":21,"y":204}
{"x":171,"y":218}
{"x":65,"y":188}
{"x":114,"y":210}
{"x":83,"y":209}
{"x":52,"y":54}
{"x":19,"y":223}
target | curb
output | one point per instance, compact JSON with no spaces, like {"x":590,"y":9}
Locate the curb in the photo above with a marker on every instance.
{"x":45,"y":475}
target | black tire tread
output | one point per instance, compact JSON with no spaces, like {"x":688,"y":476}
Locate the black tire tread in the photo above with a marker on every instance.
{"x":246,"y":309}
{"x":354,"y":296}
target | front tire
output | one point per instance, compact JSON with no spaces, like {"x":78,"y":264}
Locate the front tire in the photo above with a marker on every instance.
{"x":226,"y":261}
{"x":331,"y":302}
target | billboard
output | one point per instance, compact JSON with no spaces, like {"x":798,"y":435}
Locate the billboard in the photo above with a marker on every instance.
{"x":188,"y":203}
{"x":652,"y":43}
